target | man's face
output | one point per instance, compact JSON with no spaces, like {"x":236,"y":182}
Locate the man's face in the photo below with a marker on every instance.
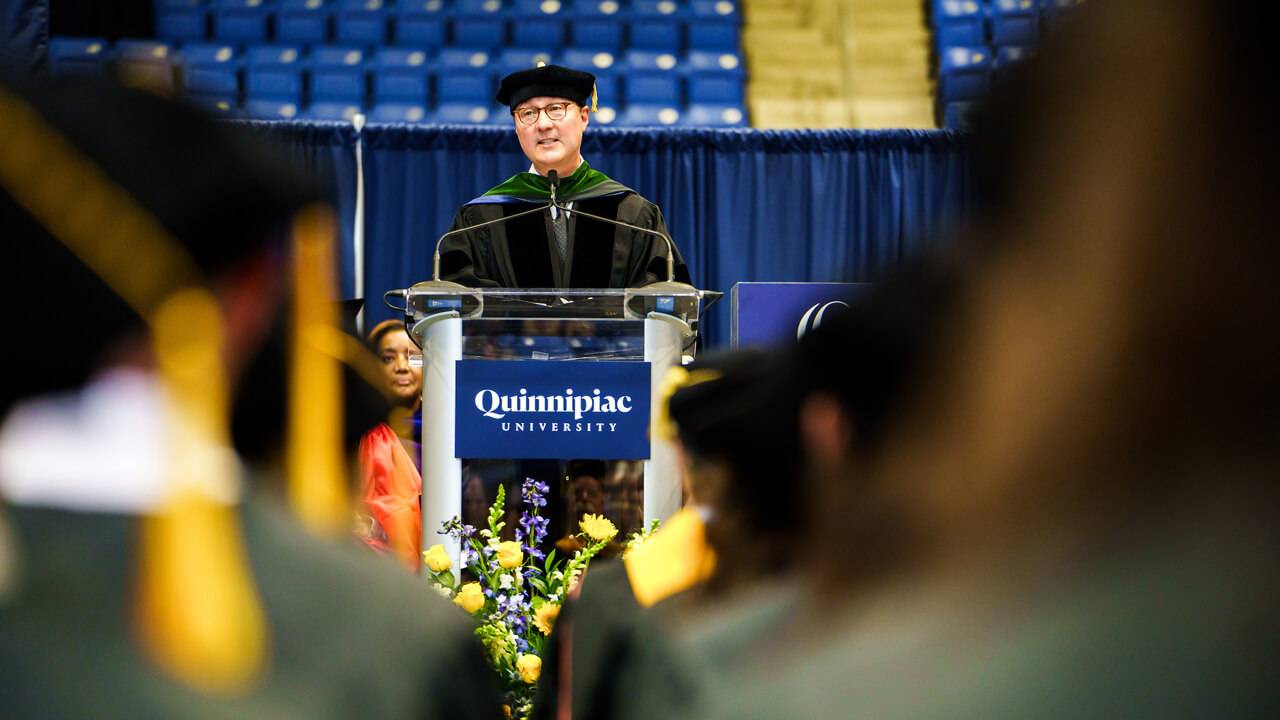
{"x":552,"y":144}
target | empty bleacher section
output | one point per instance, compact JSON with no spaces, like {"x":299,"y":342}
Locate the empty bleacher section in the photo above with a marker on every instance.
{"x":978,"y":40}
{"x":837,"y":63}
{"x":659,"y":62}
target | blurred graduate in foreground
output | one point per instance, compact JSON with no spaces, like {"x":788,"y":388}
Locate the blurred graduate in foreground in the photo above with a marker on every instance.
{"x":136,"y":554}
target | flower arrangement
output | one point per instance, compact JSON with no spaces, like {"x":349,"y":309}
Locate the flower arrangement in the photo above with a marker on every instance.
{"x":518,"y":592}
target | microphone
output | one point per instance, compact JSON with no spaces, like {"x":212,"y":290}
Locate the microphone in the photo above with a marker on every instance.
{"x":554,"y":178}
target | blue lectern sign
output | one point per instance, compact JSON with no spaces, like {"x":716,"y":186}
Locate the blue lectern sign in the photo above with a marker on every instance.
{"x":534,"y":409}
{"x":767,"y":313}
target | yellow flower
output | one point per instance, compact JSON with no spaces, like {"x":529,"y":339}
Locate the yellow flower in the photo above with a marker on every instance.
{"x":530,"y":667}
{"x":598,"y":527}
{"x":509,"y":554}
{"x":437,"y":559}
{"x":506,"y":711}
{"x":470,"y":597}
{"x":545,"y":617}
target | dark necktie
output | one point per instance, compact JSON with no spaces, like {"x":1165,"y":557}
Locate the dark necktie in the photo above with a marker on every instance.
{"x":561,"y":224}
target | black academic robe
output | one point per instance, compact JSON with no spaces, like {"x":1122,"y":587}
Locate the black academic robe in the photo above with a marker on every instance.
{"x":521,"y":253}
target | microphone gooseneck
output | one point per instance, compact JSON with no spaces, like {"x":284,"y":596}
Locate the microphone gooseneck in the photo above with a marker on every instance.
{"x":435,"y":265}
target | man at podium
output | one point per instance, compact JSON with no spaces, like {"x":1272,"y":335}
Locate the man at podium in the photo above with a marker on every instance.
{"x":550,"y":107}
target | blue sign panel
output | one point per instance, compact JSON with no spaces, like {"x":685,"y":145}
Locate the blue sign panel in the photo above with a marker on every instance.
{"x":771,"y":313}
{"x":535,"y":409}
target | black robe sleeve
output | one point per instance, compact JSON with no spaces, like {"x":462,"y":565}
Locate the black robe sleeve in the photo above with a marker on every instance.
{"x":466,"y":258}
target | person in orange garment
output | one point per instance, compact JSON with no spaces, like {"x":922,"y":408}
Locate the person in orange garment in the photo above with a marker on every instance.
{"x":392,"y":485}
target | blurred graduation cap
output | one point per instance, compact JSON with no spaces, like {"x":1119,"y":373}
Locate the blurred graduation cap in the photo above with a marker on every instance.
{"x":179,"y":198}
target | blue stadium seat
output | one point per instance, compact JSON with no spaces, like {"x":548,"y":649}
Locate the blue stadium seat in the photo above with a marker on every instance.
{"x":82,"y":56}
{"x":242,"y":21}
{"x":608,"y":90}
{"x":959,"y":115}
{"x":273,"y":72}
{"x":1015,"y":22}
{"x":145,"y":63}
{"x":712,"y":115}
{"x":141,"y":51}
{"x":342,"y":85}
{"x":480,"y":23}
{"x":606,"y":113}
{"x":181,"y":20}
{"x":1009,"y":57}
{"x":598,"y":24}
{"x":651,"y":61}
{"x":646,"y":115}
{"x":965,"y":73}
{"x":657,"y":25}
{"x":714,"y":25}
{"x":958,"y":22}
{"x":596,"y":61}
{"x":335,"y":111}
{"x":515,"y":59}
{"x":211,"y":70}
{"x":715,"y":78}
{"x":361,"y":22}
{"x":538,"y":24}
{"x":400,"y":76}
{"x":465,"y":76}
{"x":218,"y":106}
{"x":398,"y":113}
{"x":661,"y":89}
{"x":420,"y":24}
{"x":329,"y":56}
{"x":305,"y":22}
{"x":464,"y":113}
{"x":652,"y":79}
{"x":270,"y":109}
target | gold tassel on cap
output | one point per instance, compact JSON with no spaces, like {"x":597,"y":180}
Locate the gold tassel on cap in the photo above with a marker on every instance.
{"x":594,"y":94}
{"x":675,"y":378}
{"x":197,"y":612}
{"x":318,"y":490}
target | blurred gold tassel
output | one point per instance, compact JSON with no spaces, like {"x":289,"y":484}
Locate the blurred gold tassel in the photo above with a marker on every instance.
{"x":318,"y":489}
{"x":675,"y":378}
{"x":197,"y":613}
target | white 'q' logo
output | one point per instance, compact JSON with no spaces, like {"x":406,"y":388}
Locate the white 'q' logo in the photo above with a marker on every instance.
{"x":813,"y":317}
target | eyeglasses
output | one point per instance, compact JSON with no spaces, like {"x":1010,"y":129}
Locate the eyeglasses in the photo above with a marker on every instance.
{"x":529,"y":115}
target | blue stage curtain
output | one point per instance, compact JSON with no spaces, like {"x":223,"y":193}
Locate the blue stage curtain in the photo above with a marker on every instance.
{"x":742,"y":205}
{"x":326,"y":152}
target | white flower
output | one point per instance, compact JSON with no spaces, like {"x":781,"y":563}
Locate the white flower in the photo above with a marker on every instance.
{"x":494,"y":542}
{"x":485,"y":533}
{"x":554,"y":597}
{"x":557,"y":575}
{"x":444,"y":591}
{"x":504,"y":582}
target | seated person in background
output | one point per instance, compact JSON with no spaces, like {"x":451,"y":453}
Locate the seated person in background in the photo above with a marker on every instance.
{"x":1079,"y":514}
{"x":391,"y":344}
{"x":585,"y":497}
{"x":389,"y":457}
{"x":741,"y":467}
{"x":550,"y":107}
